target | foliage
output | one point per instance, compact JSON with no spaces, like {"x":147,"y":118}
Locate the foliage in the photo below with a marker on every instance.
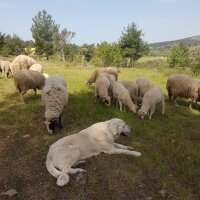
{"x":131,"y":43}
{"x":42,"y":29}
{"x":70,"y":51}
{"x":11,"y":45}
{"x":178,"y":56}
{"x":109,"y":53}
{"x":60,"y":40}
{"x":87,"y":50}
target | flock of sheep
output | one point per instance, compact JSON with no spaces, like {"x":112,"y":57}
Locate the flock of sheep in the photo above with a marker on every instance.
{"x":127,"y":92}
{"x":28,"y":74}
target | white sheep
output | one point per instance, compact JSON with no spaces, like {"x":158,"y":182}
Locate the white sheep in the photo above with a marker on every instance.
{"x":110,"y":70}
{"x":102,"y":88}
{"x":55,"y":97}
{"x":132,"y":86}
{"x":26,"y":79}
{"x":122,"y":95}
{"x":36,"y":67}
{"x":21,"y":62}
{"x":45,"y":75}
{"x":5,"y":68}
{"x":143,"y":86}
{"x":181,"y":85}
{"x":150,"y":100}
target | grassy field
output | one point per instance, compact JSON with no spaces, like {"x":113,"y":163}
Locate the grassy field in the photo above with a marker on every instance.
{"x":169,"y":144}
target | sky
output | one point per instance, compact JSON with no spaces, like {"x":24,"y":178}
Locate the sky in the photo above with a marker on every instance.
{"x":95,"y":21}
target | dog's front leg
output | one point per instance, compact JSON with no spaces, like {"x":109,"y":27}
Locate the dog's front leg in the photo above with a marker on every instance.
{"x":120,"y":146}
{"x":122,"y":151}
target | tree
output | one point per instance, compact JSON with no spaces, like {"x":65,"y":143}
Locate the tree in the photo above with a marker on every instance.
{"x":131,"y":43}
{"x":60,"y":39}
{"x":42,"y":30}
{"x":178,"y":56}
{"x":109,"y":53}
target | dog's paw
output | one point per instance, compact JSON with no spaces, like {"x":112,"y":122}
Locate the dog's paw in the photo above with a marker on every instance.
{"x":62,"y":180}
{"x":130,"y":148}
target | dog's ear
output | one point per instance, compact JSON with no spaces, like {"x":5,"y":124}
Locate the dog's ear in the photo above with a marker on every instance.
{"x":114,"y":128}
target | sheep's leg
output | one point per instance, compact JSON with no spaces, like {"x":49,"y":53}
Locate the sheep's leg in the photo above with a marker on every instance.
{"x":35,"y":90}
{"x":190,"y":106}
{"x":120,"y":105}
{"x":163,"y":106}
{"x":152,"y":110}
{"x":22,"y":96}
{"x":124,"y":108}
{"x":120,"y":146}
{"x":60,"y":125}
{"x":175,"y":103}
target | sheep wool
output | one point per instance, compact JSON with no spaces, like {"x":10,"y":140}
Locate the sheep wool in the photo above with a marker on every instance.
{"x":181,"y":85}
{"x":26,"y":79}
{"x":5,"y":68}
{"x":143,"y":86}
{"x":21,"y":62}
{"x":110,"y":70}
{"x":55,"y":97}
{"x":36,"y":67}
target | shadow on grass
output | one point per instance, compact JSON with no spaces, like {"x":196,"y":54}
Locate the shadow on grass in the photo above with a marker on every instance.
{"x":166,"y":142}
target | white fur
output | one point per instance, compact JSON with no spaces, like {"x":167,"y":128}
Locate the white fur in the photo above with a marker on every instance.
{"x":70,"y":150}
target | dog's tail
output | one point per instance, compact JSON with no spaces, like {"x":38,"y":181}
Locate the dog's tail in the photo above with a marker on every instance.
{"x":62,"y":178}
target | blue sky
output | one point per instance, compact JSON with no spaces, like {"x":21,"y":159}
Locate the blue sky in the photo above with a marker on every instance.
{"x":94,"y":21}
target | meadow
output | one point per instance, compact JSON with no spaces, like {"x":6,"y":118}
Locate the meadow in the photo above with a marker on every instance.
{"x":169,"y":144}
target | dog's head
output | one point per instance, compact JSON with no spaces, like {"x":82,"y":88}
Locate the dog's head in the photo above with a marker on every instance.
{"x":52,"y":125}
{"x":118,"y":127}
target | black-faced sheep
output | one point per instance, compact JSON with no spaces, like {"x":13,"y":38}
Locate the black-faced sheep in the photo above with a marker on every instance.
{"x":55,"y":97}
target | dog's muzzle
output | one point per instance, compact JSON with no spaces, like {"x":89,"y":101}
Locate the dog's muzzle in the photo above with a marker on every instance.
{"x":126,"y":131}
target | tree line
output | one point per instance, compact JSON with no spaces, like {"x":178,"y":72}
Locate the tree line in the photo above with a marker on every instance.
{"x":49,"y":40}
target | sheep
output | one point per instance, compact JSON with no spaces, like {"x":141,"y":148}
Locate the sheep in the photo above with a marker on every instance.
{"x":143,"y":86}
{"x":102,"y":87}
{"x":132,"y":87}
{"x":55,"y":97}
{"x":122,"y":95}
{"x":110,"y":70}
{"x":5,"y":68}
{"x":21,"y":62}
{"x":181,"y":85}
{"x":151,"y":98}
{"x":27,"y":79}
{"x":45,"y":75}
{"x":36,"y":67}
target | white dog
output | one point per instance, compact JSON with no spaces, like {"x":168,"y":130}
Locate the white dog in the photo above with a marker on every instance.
{"x":70,"y":150}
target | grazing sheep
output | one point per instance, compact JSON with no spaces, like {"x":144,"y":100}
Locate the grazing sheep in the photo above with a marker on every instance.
{"x":55,"y":97}
{"x":5,"y":68}
{"x":150,"y":99}
{"x":102,"y":87}
{"x":132,"y":87}
{"x":122,"y":95}
{"x":181,"y":85}
{"x":26,"y":79}
{"x":36,"y":67}
{"x":21,"y":62}
{"x":110,"y":70}
{"x":143,"y":86}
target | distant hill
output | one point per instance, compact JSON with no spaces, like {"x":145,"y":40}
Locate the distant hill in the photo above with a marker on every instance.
{"x":193,"y":41}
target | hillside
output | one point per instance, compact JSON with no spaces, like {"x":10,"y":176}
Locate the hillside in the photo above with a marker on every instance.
{"x":194,"y":40}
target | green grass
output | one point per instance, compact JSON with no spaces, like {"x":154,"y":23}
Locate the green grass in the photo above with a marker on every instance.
{"x":169,"y":144}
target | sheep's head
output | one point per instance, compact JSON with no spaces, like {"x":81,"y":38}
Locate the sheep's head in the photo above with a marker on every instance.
{"x":134,"y":108}
{"x":52,"y":125}
{"x":106,"y":100}
{"x":141,"y":113}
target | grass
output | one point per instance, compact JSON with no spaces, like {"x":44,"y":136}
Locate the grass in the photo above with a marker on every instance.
{"x":169,"y":144}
